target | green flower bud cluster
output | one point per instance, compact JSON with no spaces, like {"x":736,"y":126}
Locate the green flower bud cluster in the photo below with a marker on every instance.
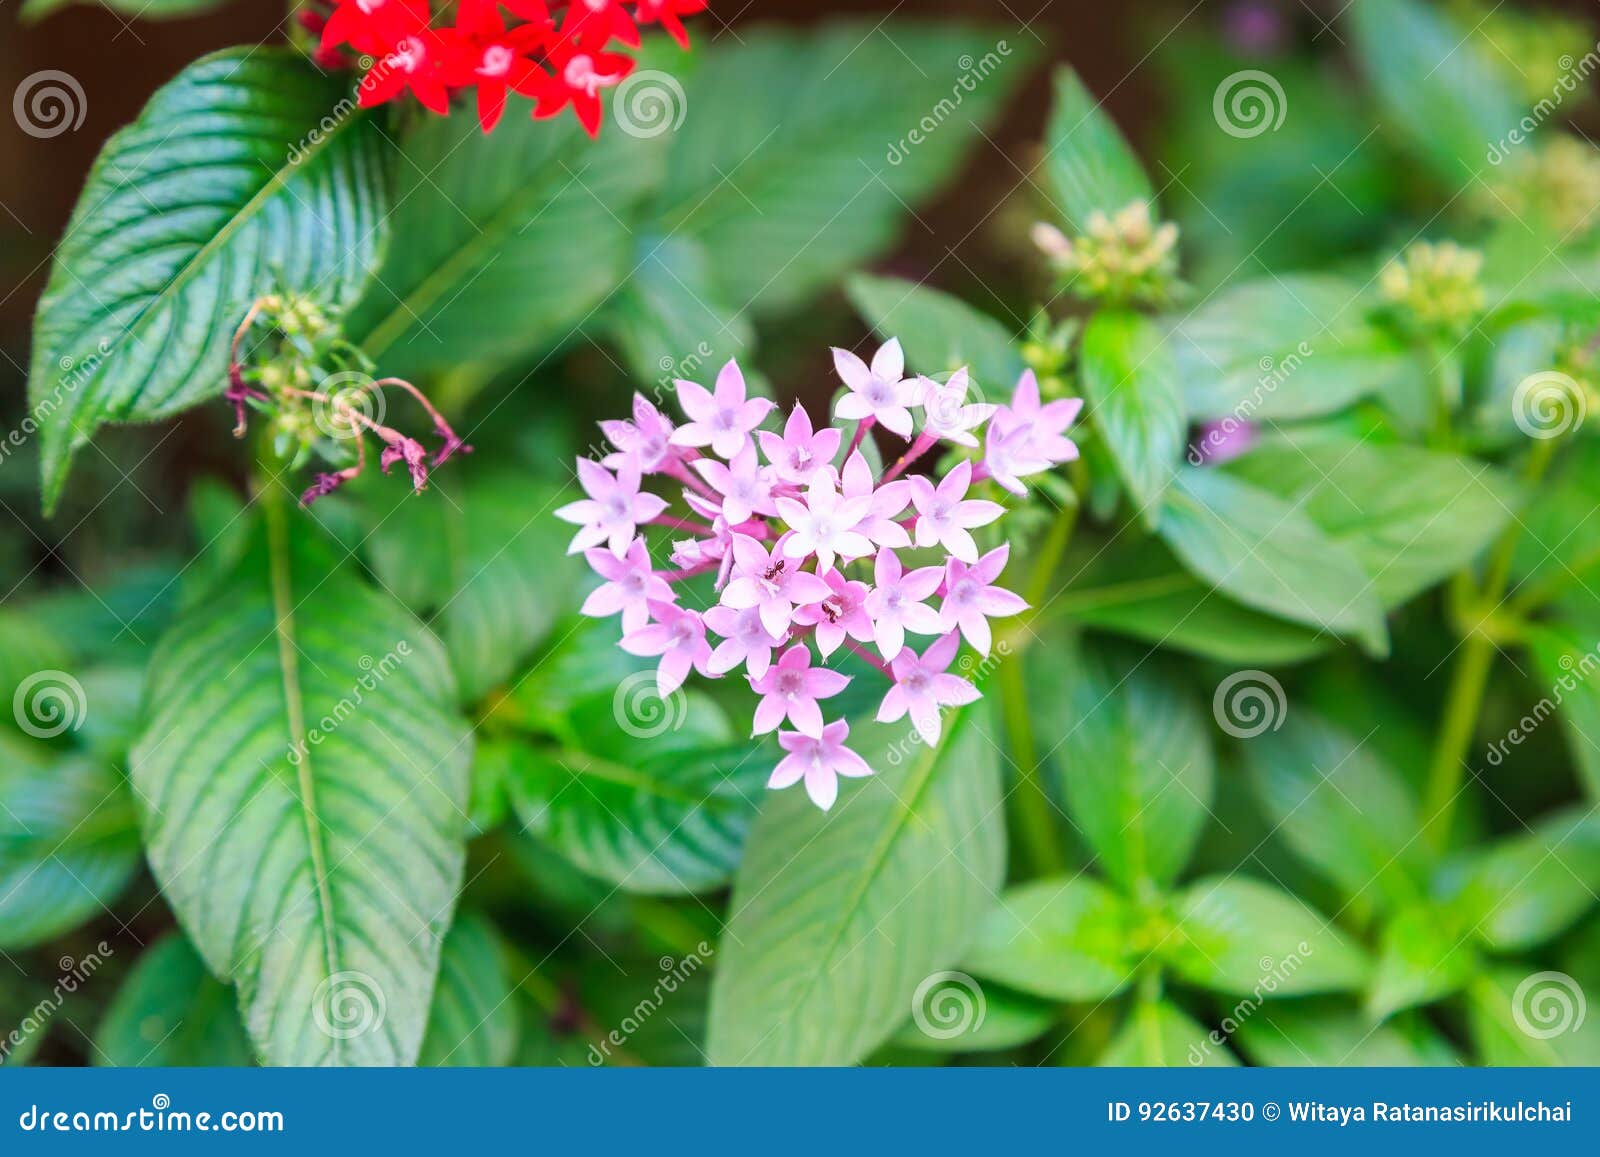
{"x":1121,"y":258}
{"x":1557,"y":183}
{"x":1435,"y":286}
{"x":1047,"y":351}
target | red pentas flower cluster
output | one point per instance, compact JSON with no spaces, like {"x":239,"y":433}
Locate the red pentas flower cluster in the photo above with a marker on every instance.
{"x":557,"y":58}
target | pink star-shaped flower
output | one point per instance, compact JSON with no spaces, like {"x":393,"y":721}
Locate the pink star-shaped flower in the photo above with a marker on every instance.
{"x":800,"y":452}
{"x":945,"y":514}
{"x":824,"y":524}
{"x":844,"y":612}
{"x":946,"y":412}
{"x":921,"y":688}
{"x":647,"y":439}
{"x":790,"y":689}
{"x":770,"y":582}
{"x":887,"y":502}
{"x":971,"y":599}
{"x":879,"y":392}
{"x":1028,"y":438}
{"x":630,"y":588}
{"x":679,"y":637}
{"x":819,"y":761}
{"x":613,"y":510}
{"x":722,"y":420}
{"x":744,"y":485}
{"x":898,"y":602}
{"x":745,"y":639}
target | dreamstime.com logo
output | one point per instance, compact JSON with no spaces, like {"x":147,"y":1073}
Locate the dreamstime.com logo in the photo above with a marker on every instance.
{"x":640,"y":710}
{"x":375,"y":671}
{"x":348,"y":1005}
{"x":49,"y":103}
{"x":1248,"y":103}
{"x":1548,"y":405}
{"x":1548,"y":1004}
{"x":649,"y":103}
{"x":48,"y":703}
{"x":674,"y":974}
{"x":1248,"y":703}
{"x":947,"y":1005}
{"x":1274,"y":974}
{"x":74,"y":974}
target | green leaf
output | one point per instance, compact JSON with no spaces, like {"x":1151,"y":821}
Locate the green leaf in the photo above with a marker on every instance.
{"x":1134,"y":760}
{"x":171,"y":1012}
{"x":1091,"y":166}
{"x":34,"y":11}
{"x":1067,"y":939}
{"x":1284,"y":347}
{"x":1526,"y":889}
{"x":657,"y":798}
{"x":940,"y":333}
{"x":1332,"y":1034}
{"x":1138,"y":589}
{"x":669,"y":319}
{"x":1435,"y":85}
{"x":482,"y":560}
{"x":802,"y":151}
{"x":1130,"y":380}
{"x":229,"y":185}
{"x":304,"y":782}
{"x":1566,"y":664}
{"x":1340,"y":807}
{"x":69,"y":840}
{"x":1246,"y":938}
{"x":512,"y":240}
{"x":1160,"y":1035}
{"x":474,"y":1021}
{"x":1421,"y":959}
{"x":1521,"y":1016}
{"x":838,"y":916}
{"x":1410,"y":517}
{"x":1270,"y":555}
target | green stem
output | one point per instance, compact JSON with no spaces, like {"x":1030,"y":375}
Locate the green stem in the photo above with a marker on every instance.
{"x":1464,"y":699}
{"x":1034,"y":813}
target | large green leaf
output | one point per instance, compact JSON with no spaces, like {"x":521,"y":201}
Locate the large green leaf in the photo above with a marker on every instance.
{"x":34,"y":10}
{"x":474,"y":1020}
{"x":1435,"y":84}
{"x":1090,"y":164}
{"x":651,"y":795}
{"x":1409,"y":516}
{"x":669,"y":319}
{"x":940,"y":333}
{"x":1269,"y":554}
{"x":69,"y":840}
{"x":1421,"y":958}
{"x":304,"y":783}
{"x":1130,"y":379}
{"x":839,"y":916}
{"x":1525,"y":889}
{"x":171,"y":1012}
{"x":483,"y":561}
{"x":1246,"y":938}
{"x":1067,"y":939}
{"x":1340,"y":807}
{"x":1134,"y":757}
{"x":1161,"y":1035}
{"x":1335,"y":1034}
{"x":512,"y":240}
{"x":800,"y":151}
{"x":1284,"y":347}
{"x":229,"y":185}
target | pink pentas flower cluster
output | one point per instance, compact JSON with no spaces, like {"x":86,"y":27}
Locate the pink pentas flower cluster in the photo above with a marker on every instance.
{"x":792,"y":541}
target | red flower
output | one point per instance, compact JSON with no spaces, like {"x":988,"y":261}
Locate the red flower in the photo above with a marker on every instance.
{"x":491,"y":59}
{"x":580,"y":74}
{"x":666,"y":13}
{"x":416,"y":62}
{"x":373,"y":26}
{"x":597,"y":21}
